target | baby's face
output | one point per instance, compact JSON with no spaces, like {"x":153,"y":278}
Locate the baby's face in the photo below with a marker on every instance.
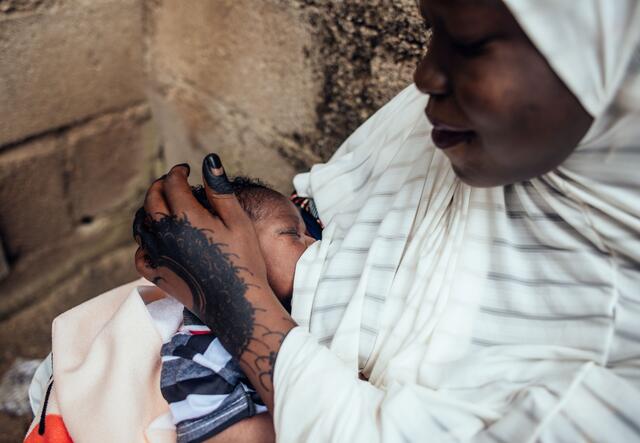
{"x":283,"y":239}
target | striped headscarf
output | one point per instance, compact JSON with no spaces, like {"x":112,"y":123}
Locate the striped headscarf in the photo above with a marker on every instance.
{"x":472,"y":296}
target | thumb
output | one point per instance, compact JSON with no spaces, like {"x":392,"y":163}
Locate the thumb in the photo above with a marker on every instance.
{"x":219,"y":190}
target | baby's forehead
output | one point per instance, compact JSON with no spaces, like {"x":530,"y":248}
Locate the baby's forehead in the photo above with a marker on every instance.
{"x":281,"y":210}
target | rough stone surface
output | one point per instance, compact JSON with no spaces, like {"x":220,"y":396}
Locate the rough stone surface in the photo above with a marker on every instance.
{"x":68,"y":62}
{"x":365,"y":51}
{"x":15,"y":6}
{"x":33,"y":206}
{"x":275,"y":86}
{"x":110,"y":163}
{"x":55,"y":183}
{"x":231,"y":76}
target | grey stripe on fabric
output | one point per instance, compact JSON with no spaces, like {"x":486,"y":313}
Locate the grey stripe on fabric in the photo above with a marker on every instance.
{"x":496,"y":276}
{"x":368,"y":329}
{"x":551,"y":317}
{"x":523,"y":247}
{"x":344,"y":173}
{"x":624,"y":298}
{"x":366,"y":180}
{"x":624,"y":418}
{"x":328,"y":278}
{"x":628,"y":335}
{"x":392,"y":237}
{"x":375,"y":297}
{"x":328,"y":308}
{"x":440,"y":425}
{"x":387,"y":211}
{"x":387,"y":268}
{"x":484,"y":343}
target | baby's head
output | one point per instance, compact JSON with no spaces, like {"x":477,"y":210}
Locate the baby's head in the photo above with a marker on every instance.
{"x":280,"y":228}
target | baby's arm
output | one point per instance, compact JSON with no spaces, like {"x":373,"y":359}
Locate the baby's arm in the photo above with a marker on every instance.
{"x":258,"y":428}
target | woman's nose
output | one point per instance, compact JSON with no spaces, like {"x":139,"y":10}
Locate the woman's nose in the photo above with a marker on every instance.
{"x":429,"y":76}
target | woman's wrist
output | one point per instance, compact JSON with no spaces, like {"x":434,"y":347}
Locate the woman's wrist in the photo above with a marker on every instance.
{"x":271,"y":324}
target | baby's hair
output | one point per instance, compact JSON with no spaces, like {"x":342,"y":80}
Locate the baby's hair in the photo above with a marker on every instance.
{"x":254,"y":196}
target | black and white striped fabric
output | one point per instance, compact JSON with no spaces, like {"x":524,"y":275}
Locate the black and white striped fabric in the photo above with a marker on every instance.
{"x":204,"y":386}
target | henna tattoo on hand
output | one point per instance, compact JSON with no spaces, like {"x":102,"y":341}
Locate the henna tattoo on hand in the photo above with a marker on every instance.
{"x":216,"y":285}
{"x":264,"y":363}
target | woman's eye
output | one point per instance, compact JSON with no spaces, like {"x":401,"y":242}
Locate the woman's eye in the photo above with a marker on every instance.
{"x":472,"y":47}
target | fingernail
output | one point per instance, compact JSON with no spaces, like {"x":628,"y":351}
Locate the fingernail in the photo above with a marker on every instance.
{"x":214,"y":161}
{"x":214,"y":174}
{"x":186,"y":165}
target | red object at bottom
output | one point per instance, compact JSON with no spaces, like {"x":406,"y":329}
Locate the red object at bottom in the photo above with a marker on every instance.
{"x":54,"y":432}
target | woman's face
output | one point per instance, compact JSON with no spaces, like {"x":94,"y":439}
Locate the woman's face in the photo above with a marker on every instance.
{"x":499,"y":111}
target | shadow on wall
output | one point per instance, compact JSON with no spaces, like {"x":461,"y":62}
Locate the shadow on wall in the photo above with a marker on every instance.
{"x":98,"y":97}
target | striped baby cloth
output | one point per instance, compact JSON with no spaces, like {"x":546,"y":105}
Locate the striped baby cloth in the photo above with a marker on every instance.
{"x":204,"y":386}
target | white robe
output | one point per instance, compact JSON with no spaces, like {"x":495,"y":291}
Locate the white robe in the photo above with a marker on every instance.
{"x":505,"y":314}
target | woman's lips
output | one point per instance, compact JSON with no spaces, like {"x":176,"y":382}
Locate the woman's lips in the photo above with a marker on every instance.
{"x":445,"y":137}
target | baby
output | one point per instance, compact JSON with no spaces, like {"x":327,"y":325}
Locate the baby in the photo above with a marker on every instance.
{"x":205,"y":388}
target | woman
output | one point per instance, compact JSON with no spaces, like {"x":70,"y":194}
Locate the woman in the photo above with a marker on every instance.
{"x":508,"y":312}
{"x":484,"y":282}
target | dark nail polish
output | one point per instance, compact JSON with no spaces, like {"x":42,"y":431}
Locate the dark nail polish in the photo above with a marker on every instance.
{"x":219,"y":183}
{"x":213,"y":161}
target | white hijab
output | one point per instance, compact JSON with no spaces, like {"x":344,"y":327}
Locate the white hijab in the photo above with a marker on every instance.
{"x":423,"y":280}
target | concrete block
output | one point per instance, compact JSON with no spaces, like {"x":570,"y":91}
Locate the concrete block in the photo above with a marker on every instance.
{"x":245,"y":148}
{"x":244,"y":54}
{"x":39,"y":274}
{"x":33,"y":207}
{"x":111,"y":160}
{"x":66,"y":63}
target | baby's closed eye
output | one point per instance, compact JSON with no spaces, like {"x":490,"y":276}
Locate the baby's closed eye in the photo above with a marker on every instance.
{"x":290,"y":231}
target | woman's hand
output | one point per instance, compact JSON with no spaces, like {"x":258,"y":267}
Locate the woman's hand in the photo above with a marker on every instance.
{"x":211,"y":262}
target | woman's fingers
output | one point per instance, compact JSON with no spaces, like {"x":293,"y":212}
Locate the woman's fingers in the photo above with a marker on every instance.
{"x":177,"y":191}
{"x":220,"y":192}
{"x":141,"y":233}
{"x":154,"y":202}
{"x":163,"y":277}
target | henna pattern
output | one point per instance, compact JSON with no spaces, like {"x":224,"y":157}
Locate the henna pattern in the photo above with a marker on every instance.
{"x":265,"y":363}
{"x":207,"y":270}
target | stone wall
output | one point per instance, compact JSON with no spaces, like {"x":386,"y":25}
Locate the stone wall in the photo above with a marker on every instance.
{"x":99,"y":96}
{"x":77,"y":149}
{"x":275,"y":85}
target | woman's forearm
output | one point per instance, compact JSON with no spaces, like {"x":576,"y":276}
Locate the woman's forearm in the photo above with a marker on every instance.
{"x":266,"y":324}
{"x":256,"y":429}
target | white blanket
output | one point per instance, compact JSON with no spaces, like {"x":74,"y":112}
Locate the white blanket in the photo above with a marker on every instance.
{"x":504,"y":314}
